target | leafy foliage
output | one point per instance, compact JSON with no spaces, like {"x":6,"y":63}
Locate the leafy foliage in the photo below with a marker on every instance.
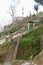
{"x":40,"y":2}
{"x":5,"y":46}
{"x":36,"y":7}
{"x":29,"y":45}
{"x":12,"y":30}
{"x":4,"y":50}
{"x":41,"y":20}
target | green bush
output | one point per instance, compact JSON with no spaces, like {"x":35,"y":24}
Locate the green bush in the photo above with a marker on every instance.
{"x":13,"y":30}
{"x":29,"y":45}
{"x":4,"y":50}
{"x":41,"y":21}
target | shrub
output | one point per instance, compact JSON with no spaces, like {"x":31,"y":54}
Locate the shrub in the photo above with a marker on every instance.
{"x":29,"y":45}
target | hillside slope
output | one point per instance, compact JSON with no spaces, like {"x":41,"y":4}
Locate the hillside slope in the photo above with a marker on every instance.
{"x":30,"y":45}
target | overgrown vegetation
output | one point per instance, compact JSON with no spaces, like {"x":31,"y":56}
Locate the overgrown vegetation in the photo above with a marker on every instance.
{"x":6,"y":32}
{"x":30,"y":45}
{"x":4,"y":50}
{"x":41,"y":20}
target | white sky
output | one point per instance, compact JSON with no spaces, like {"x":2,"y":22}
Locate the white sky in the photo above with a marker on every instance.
{"x":4,"y":7}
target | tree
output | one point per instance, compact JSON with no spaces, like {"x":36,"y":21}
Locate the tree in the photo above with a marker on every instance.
{"x":40,"y":2}
{"x":12,"y":12}
{"x":22,"y":11}
{"x":13,"y":9}
{"x":36,"y":8}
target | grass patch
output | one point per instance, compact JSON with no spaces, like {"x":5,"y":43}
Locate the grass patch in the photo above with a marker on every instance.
{"x":30,"y":45}
{"x":4,"y":50}
{"x":17,"y":62}
{"x":5,"y":46}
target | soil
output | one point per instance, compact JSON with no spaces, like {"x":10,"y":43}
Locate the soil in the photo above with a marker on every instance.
{"x":38,"y":59}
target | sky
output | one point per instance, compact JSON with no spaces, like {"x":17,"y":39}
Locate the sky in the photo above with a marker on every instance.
{"x":5,"y":17}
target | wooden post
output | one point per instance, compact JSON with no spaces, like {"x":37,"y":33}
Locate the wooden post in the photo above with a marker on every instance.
{"x":28,"y":25}
{"x":33,"y":25}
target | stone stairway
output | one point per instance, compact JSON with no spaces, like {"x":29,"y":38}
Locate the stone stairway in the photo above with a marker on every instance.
{"x":16,"y":49}
{"x":12,"y":52}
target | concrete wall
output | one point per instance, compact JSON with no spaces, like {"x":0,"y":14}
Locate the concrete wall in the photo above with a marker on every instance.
{"x":31,"y":26}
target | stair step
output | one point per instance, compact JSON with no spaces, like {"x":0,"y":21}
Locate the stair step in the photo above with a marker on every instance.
{"x":8,"y":59}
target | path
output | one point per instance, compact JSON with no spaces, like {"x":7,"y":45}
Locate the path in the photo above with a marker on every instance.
{"x":25,"y":63}
{"x":16,"y":49}
{"x":7,"y":63}
{"x":12,"y":51}
{"x":28,"y":63}
{"x":10,"y":54}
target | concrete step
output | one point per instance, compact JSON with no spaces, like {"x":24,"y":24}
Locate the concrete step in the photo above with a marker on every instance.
{"x":8,"y":59}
